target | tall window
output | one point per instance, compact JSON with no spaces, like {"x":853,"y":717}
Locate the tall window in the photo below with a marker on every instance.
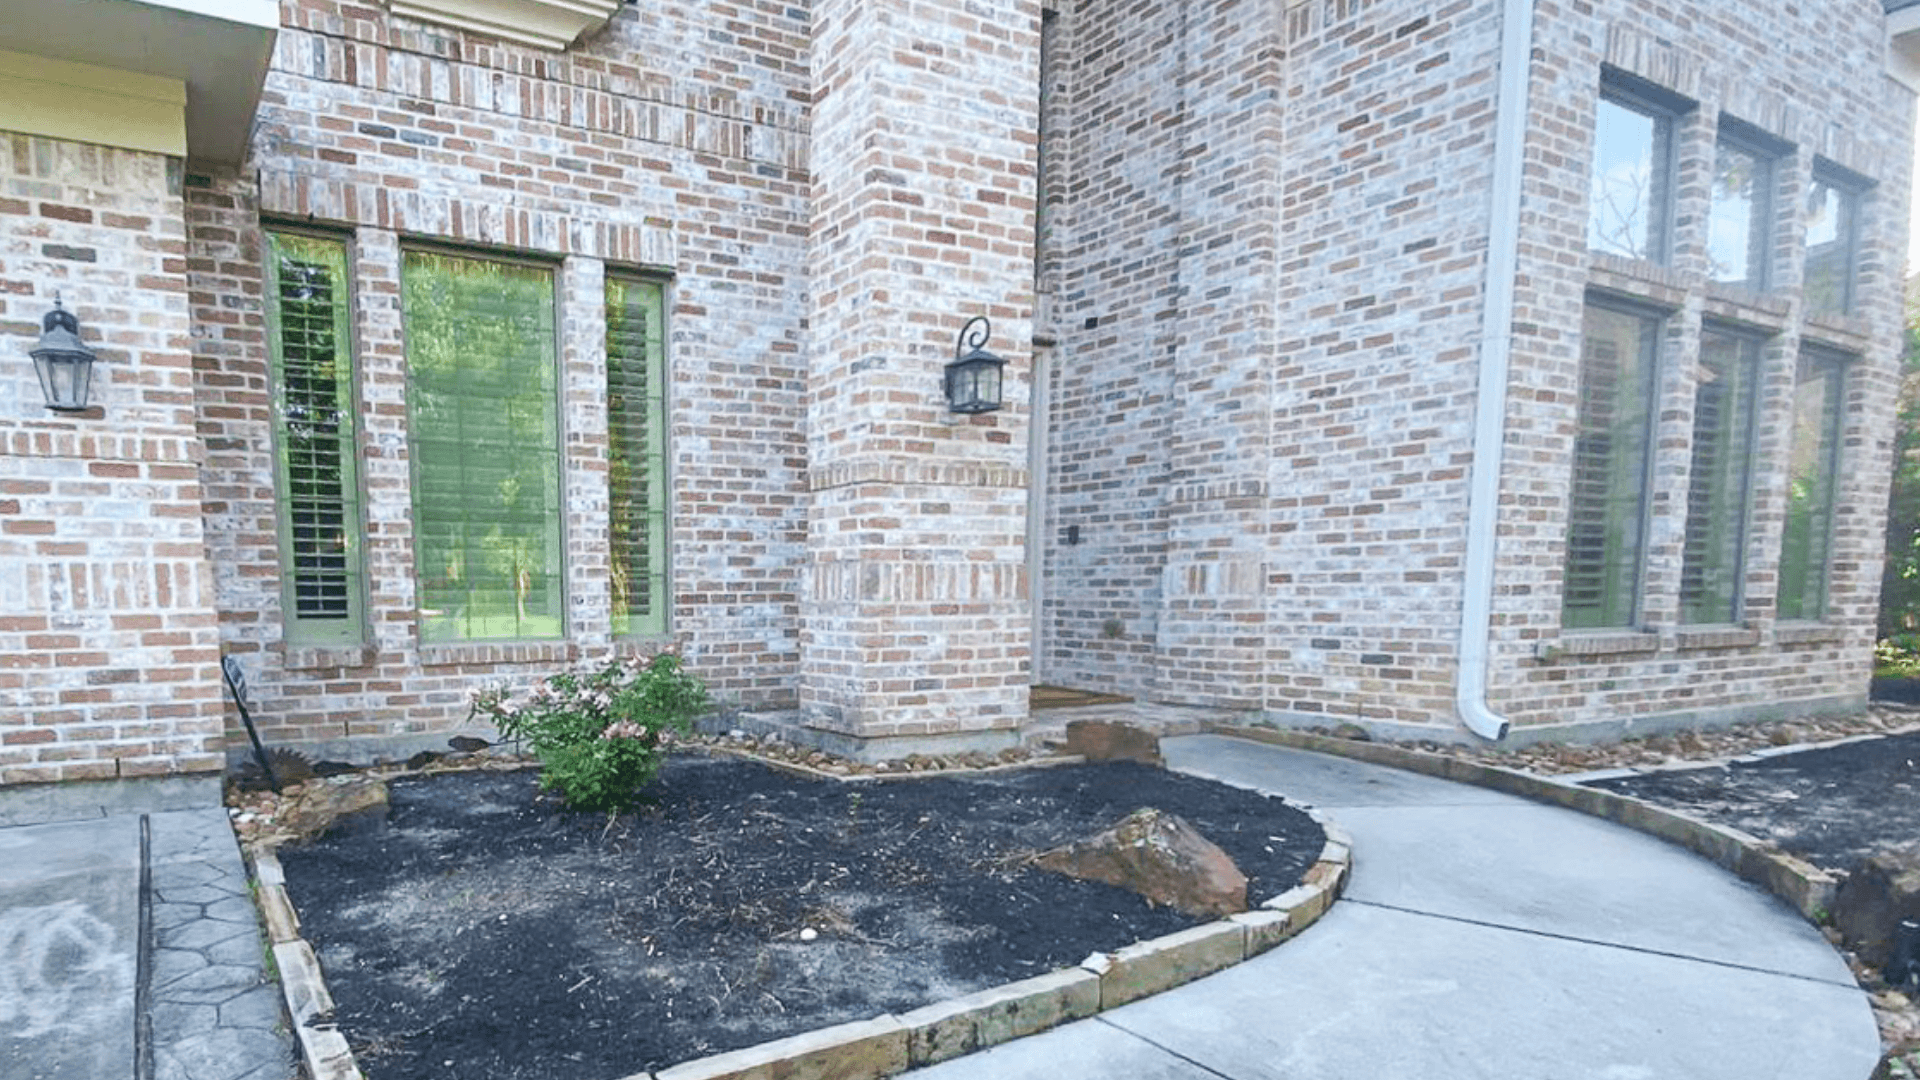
{"x":1740,"y":224}
{"x":486,"y":447}
{"x":1833,"y":241}
{"x":313,"y":427}
{"x":1717,"y":489}
{"x":637,"y":480}
{"x":1606,"y":515}
{"x":1813,"y":471}
{"x":1631,"y":187}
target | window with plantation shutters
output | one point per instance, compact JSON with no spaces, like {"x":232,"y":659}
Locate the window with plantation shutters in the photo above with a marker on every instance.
{"x":313,"y":419}
{"x":637,"y":474}
{"x":1813,"y":475}
{"x":485,"y":443}
{"x":1714,"y":550}
{"x":1606,"y":512}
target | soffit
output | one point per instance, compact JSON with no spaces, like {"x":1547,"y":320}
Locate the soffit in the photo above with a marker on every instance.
{"x":219,"y":48}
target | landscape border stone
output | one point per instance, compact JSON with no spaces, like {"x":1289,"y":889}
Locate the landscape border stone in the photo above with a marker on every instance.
{"x":886,"y":1045}
{"x":1807,"y":888}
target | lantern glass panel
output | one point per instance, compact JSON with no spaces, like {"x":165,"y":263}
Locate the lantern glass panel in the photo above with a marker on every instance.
{"x":64,"y":379}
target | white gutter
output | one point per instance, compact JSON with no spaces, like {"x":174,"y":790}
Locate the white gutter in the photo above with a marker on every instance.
{"x":1496,"y":339}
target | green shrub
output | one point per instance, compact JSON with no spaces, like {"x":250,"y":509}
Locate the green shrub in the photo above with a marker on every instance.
{"x":1897,"y":656}
{"x":598,"y":734}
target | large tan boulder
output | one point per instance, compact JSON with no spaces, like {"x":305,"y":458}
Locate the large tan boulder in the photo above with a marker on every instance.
{"x":1161,"y":857}
{"x":1871,"y":905}
{"x":1104,"y":740}
{"x":343,"y":804}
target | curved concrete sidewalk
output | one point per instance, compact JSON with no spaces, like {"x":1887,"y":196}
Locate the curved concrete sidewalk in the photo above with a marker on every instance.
{"x":1483,"y":936}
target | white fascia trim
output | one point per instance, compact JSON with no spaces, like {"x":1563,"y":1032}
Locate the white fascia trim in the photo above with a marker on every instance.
{"x":545,"y":24}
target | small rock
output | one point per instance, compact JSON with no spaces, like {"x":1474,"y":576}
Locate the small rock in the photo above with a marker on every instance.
{"x":1354,"y":732}
{"x":809,"y":934}
{"x":467,"y":744}
{"x":1161,"y":857}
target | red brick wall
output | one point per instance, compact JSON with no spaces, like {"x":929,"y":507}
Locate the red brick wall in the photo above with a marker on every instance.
{"x":108,"y":650}
{"x":1308,"y":189}
{"x":671,"y":141}
{"x":923,"y":157}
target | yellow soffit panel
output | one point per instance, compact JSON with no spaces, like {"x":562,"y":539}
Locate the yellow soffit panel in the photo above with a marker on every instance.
{"x":83,"y":103}
{"x":546,"y":24}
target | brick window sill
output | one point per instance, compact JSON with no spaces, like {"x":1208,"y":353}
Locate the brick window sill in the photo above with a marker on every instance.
{"x":1607,"y":643}
{"x":1715,"y":637}
{"x":1639,"y":279}
{"x":645,"y":645}
{"x":1766,"y":310}
{"x":1790,"y":634}
{"x":498,"y":652}
{"x":311,"y":657}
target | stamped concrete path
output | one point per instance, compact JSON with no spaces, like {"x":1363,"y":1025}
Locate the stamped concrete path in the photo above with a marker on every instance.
{"x":1482,"y":936}
{"x":129,"y":950}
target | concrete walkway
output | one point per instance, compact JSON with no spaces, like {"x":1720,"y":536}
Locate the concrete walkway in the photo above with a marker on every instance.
{"x":1483,"y":936}
{"x":129,"y":948}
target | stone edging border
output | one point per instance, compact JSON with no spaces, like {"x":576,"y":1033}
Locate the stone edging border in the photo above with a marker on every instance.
{"x":886,"y":1044}
{"x":1807,"y":888}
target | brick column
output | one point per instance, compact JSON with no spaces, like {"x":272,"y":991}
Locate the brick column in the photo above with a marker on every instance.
{"x":582,"y":284}
{"x":915,"y":623}
{"x":1210,"y":644}
{"x":111,"y":666}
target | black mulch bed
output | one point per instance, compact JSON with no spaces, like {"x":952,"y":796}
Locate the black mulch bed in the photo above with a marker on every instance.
{"x":485,"y":931}
{"x":1832,"y":807}
{"x":1897,"y":688}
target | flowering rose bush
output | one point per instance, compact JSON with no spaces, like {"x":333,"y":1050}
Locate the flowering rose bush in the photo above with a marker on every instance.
{"x":598,"y":734}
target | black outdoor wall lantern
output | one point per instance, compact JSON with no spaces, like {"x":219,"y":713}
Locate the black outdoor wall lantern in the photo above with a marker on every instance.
{"x":973,"y":378}
{"x":63,"y":362}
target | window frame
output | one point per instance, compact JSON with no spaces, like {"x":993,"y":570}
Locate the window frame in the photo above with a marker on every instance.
{"x":1665,"y":109}
{"x":555,"y":364}
{"x":297,"y":630}
{"x":1752,"y":343}
{"x":659,"y":623}
{"x":1656,"y":318}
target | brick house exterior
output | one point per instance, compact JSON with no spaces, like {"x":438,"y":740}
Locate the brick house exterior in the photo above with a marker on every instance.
{"x":1275,"y":283}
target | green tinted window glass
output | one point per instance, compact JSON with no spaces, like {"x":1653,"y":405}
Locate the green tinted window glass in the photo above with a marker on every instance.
{"x":485,"y":441}
{"x":637,"y":469}
{"x":1606,"y":513}
{"x":318,"y":500}
{"x":1717,"y":486}
{"x":1813,"y":470}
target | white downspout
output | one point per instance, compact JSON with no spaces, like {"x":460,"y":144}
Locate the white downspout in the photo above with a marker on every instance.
{"x":1496,"y":338}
